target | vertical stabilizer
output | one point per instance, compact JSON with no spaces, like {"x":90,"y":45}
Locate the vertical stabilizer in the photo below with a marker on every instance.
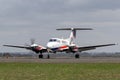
{"x":73,"y":32}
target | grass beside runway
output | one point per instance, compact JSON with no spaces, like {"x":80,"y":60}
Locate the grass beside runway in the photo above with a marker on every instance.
{"x":51,"y":71}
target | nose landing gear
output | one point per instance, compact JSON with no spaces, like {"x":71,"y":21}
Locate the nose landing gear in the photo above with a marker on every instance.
{"x":40,"y":56}
{"x":77,"y":56}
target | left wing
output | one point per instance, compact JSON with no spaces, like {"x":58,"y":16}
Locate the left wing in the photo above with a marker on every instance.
{"x":80,"y":49}
{"x":36,"y":49}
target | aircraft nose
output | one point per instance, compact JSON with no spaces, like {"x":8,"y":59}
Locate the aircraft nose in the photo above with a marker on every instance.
{"x":52,"y":45}
{"x":49,"y":45}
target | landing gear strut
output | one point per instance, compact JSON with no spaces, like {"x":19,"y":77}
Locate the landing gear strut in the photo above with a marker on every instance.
{"x":48,"y":56}
{"x":77,"y":56}
{"x":41,"y":56}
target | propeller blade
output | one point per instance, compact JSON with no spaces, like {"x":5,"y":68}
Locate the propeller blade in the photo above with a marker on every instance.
{"x":32,"y":41}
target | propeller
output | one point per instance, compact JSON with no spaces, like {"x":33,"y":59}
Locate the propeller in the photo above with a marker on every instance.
{"x":32,"y":41}
{"x":26,"y":44}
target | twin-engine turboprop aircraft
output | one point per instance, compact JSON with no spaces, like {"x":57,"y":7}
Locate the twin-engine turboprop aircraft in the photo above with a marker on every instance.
{"x":61,"y":45}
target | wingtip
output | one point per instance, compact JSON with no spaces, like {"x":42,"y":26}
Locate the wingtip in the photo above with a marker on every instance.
{"x":113,"y":44}
{"x":116,"y":44}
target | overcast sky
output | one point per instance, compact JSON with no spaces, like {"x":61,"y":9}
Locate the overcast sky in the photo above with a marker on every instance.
{"x":21,"y":20}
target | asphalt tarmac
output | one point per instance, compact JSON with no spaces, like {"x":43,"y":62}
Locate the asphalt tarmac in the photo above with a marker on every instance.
{"x":63,"y":60}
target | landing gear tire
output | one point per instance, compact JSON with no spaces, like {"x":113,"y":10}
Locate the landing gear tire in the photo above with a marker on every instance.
{"x":40,"y":56}
{"x":77,"y":56}
{"x":48,"y":56}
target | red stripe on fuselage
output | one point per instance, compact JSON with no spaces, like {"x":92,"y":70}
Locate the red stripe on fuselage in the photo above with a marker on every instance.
{"x":63,"y":47}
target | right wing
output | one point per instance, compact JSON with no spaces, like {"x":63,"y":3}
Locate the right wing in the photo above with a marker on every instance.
{"x":93,"y":47}
{"x":25,"y":47}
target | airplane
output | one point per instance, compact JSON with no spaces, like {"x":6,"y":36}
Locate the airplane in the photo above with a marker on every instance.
{"x":61,"y":45}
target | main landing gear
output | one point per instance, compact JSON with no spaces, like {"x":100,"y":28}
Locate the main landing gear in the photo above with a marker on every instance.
{"x":77,"y":56}
{"x":41,"y":56}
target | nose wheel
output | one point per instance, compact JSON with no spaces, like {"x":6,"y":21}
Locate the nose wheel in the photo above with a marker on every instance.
{"x":40,"y":56}
{"x":77,"y":56}
{"x":48,"y":56}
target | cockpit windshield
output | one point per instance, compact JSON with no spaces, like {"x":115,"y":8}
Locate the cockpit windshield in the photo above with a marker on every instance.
{"x":52,"y":40}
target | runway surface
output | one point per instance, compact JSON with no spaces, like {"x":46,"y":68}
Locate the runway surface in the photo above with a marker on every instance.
{"x":64,"y":60}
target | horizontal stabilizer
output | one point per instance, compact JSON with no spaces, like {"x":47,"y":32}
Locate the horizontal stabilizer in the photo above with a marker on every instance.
{"x":74,"y":29}
{"x":73,"y":32}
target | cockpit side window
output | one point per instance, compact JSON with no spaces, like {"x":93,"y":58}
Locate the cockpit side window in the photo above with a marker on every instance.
{"x":50,"y":40}
{"x":64,"y":42}
{"x":54,"y":40}
{"x":58,"y":41}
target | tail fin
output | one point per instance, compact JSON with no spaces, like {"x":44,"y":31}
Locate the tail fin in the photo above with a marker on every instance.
{"x":73,"y":32}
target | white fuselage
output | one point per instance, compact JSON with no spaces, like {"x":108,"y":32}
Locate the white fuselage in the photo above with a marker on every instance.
{"x":57,"y":44}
